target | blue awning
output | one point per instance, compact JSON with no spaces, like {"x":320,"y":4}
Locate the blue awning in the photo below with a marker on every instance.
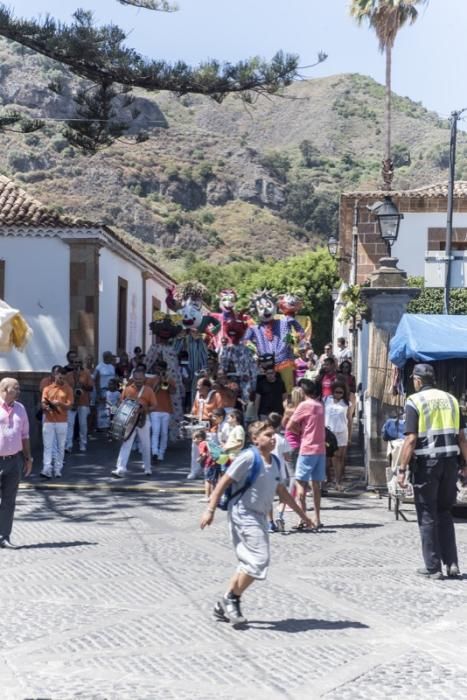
{"x":428,"y":337}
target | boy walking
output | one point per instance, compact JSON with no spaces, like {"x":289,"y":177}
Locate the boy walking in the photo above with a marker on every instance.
{"x":248,"y":516}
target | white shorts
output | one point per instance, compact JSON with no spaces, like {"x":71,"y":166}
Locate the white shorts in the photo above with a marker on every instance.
{"x":250,"y":538}
{"x":342,"y":439}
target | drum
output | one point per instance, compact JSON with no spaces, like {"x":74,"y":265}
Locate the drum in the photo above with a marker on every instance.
{"x":125,"y":420}
{"x":187,"y":428}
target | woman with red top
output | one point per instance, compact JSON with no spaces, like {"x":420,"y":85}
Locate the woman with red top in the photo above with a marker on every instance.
{"x":327,"y":376}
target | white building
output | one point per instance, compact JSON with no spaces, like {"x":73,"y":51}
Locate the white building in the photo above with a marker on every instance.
{"x":77,"y":283}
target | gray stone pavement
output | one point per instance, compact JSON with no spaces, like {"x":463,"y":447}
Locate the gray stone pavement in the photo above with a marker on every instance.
{"x":111,"y":597}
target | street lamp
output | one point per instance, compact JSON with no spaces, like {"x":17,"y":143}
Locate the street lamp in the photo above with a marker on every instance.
{"x":389,"y":219}
{"x":333,"y":245}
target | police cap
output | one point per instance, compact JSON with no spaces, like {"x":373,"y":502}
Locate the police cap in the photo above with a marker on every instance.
{"x":423,"y":371}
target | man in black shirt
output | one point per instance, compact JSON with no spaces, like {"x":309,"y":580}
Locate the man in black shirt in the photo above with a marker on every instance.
{"x":270,"y":394}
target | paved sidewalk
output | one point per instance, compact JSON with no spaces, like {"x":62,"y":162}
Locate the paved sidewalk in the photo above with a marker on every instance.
{"x":111,"y":598}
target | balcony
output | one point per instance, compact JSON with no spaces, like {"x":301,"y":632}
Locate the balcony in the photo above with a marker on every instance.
{"x":435,"y":268}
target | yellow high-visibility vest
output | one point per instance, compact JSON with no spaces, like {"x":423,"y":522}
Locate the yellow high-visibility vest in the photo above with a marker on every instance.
{"x":438,"y":423}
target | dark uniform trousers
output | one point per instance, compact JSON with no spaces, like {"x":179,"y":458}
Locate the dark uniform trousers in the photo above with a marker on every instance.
{"x":434,"y":485}
{"x":10,"y":475}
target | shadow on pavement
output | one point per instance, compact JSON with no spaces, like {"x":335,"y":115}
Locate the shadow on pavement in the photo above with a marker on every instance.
{"x":293,"y":625}
{"x":357,"y":526}
{"x":57,"y":545}
{"x":103,"y":507}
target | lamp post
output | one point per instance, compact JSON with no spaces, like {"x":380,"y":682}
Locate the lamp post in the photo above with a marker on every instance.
{"x":333,"y":245}
{"x":389,"y":219}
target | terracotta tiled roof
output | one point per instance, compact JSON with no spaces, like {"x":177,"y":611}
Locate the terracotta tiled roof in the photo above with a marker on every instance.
{"x":18,"y":207}
{"x":439,"y":189}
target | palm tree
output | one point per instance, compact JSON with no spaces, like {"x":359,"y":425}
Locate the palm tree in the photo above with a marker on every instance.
{"x":386,"y":17}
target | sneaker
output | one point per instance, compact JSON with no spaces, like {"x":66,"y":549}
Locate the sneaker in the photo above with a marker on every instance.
{"x":6,"y":544}
{"x":147,"y":472}
{"x":230,"y":606}
{"x":272,"y":527}
{"x":435,"y":575}
{"x":191,"y":476}
{"x":58,"y":475}
{"x":452,"y":571}
{"x":118,"y":474}
{"x":45,"y":475}
{"x":280,"y":524}
{"x":82,"y":449}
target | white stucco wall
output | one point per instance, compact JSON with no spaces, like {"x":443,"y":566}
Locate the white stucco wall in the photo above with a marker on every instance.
{"x":111,"y":267}
{"x":37,"y":282}
{"x":412,"y":244}
{"x":157,"y":290}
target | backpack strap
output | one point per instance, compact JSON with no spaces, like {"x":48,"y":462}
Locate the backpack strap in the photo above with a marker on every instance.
{"x":252,"y":475}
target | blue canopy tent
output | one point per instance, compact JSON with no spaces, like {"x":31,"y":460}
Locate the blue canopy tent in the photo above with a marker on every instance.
{"x":429,"y":338}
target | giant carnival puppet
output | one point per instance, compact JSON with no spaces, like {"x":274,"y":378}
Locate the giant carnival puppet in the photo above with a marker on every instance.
{"x":187,"y":300}
{"x":238,"y":359}
{"x":165,"y":328}
{"x":274,"y":336}
{"x":227,"y":300}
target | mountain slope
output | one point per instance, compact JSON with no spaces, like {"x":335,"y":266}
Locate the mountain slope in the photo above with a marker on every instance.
{"x":221,"y":182}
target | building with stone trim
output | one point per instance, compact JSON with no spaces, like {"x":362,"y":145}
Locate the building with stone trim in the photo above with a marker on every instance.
{"x":79,"y":284}
{"x":421,"y":238}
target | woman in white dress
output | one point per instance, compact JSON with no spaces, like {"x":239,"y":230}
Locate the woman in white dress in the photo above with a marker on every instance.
{"x":337,"y":419}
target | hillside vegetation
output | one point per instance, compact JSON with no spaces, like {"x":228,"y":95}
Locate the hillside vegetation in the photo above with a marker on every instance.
{"x":225,"y":182}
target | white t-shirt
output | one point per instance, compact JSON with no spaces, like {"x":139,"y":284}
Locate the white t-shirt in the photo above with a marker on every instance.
{"x":281,"y":449}
{"x":336,"y":413}
{"x":106,"y":372}
{"x":236,"y":435}
{"x":260,"y":495}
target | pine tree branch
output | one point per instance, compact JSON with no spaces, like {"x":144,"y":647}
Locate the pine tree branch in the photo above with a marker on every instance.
{"x":99,"y":54}
{"x":156,"y":5}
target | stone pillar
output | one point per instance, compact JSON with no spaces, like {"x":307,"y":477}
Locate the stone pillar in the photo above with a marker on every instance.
{"x":84,"y":296}
{"x":387,"y":298}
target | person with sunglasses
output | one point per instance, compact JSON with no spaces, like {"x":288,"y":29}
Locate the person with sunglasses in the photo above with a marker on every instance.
{"x":337,"y":416}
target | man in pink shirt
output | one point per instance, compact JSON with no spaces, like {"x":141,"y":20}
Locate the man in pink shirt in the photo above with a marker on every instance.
{"x":308,"y":422}
{"x":15,"y":452}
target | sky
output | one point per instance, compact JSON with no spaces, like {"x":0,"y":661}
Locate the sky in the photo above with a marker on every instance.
{"x":428,"y":57}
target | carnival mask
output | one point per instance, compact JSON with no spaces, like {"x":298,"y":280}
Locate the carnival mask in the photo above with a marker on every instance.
{"x":290,"y":304}
{"x":227,"y":299}
{"x":264,"y":304}
{"x":191,"y":312}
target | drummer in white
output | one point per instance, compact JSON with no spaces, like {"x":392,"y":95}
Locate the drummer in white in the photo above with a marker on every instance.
{"x":137,"y":391}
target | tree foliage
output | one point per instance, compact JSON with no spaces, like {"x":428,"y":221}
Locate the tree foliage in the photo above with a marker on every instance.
{"x":431,"y":299}
{"x":315,"y":211}
{"x":313,"y":275}
{"x":100,"y":56}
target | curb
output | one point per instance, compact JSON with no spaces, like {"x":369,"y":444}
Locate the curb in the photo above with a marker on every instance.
{"x":138,"y":488}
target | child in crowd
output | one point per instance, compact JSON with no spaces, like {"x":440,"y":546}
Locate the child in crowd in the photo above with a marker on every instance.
{"x":220,"y":429}
{"x":251,"y":414}
{"x":283,"y":452}
{"x":205,"y":462}
{"x":112,"y":398}
{"x":247,"y":515}
{"x":236,"y":439}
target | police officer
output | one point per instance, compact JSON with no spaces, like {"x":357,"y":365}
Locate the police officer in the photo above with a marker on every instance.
{"x":434,"y":433}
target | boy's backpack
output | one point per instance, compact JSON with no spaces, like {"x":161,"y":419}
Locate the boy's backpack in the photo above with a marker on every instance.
{"x":252,"y":475}
{"x":330,"y":441}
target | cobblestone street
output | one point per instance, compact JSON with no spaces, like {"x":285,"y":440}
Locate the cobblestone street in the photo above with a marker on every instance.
{"x":111,"y":596}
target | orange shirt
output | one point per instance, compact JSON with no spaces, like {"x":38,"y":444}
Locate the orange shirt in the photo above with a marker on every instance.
{"x":147,"y":398}
{"x":163,"y":396}
{"x":64,"y":394}
{"x":223,"y":398}
{"x":47,"y":381}
{"x":83,"y":377}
